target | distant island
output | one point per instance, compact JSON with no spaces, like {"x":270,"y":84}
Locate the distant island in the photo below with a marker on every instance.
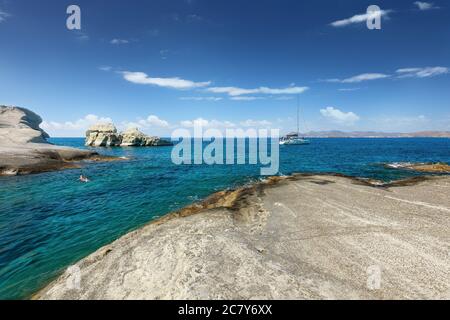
{"x":376,"y":134}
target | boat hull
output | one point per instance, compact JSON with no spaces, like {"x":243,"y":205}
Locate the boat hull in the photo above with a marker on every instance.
{"x":294,"y":142}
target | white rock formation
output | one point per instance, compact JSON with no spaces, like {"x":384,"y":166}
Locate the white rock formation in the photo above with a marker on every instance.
{"x":24,"y":147}
{"x":133,"y":137}
{"x":19,"y":126}
{"x":106,"y":135}
{"x":305,"y":237}
{"x":102,"y":135}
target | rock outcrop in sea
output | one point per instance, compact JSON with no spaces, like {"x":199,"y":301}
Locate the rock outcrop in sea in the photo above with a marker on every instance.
{"x":20,"y":126}
{"x":102,"y":135}
{"x":438,"y":167}
{"x":106,"y":135}
{"x":24,"y":147}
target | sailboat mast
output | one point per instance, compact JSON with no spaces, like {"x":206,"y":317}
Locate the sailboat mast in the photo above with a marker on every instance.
{"x":298,"y":116}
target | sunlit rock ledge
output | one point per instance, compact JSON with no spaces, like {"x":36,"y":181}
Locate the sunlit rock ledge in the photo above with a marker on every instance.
{"x":298,"y":237}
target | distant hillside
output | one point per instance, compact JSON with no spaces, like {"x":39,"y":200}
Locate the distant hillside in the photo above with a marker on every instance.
{"x":373,"y":134}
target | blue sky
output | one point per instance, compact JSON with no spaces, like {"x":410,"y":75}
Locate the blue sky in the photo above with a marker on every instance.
{"x":163,"y":64}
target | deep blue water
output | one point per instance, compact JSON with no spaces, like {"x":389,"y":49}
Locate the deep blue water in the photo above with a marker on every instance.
{"x":49,"y":221}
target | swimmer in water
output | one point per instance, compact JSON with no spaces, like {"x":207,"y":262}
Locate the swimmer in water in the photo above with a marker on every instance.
{"x":83,"y":178}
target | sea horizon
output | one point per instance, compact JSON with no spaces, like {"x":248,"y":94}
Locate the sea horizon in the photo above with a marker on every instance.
{"x":71,"y":220}
{"x":224,"y":150}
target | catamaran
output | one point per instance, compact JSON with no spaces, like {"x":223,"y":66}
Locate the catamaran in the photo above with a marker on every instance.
{"x":295,"y":138}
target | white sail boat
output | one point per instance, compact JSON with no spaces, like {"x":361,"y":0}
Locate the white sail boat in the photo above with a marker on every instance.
{"x":294,"y":138}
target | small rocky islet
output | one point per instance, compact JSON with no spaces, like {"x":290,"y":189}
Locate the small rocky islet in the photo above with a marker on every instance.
{"x":106,"y":135}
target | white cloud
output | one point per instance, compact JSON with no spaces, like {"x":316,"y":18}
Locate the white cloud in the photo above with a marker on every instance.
{"x":284,"y":98}
{"x":174,"y":83}
{"x":401,"y":73}
{"x":201,"y":98}
{"x":235,"y":91}
{"x":163,"y":53}
{"x":79,"y":127}
{"x":119,"y":41}
{"x":361,"y":78}
{"x":422,"y":72}
{"x":151,"y":121}
{"x":207,"y":123}
{"x":256,"y":123}
{"x":238,"y":98}
{"x":360,"y":18}
{"x":217,"y":124}
{"x":81,"y":36}
{"x":406,"y":120}
{"x":338,"y":116}
{"x":80,"y":124}
{"x":425,"y":5}
{"x":193,"y":18}
{"x":3,"y":15}
{"x":348,"y":89}
{"x":153,"y":32}
{"x":406,"y":123}
{"x":105,"y":68}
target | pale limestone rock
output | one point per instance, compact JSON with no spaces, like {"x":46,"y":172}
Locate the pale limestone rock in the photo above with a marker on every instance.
{"x":305,"y":237}
{"x":24,"y":147}
{"x":133,"y":137}
{"x":102,"y":135}
{"x":105,"y":135}
{"x":19,"y":125}
{"x":103,"y":127}
{"x":157,"y":142}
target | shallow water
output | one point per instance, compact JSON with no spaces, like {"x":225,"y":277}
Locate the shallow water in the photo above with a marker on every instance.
{"x":50,"y":220}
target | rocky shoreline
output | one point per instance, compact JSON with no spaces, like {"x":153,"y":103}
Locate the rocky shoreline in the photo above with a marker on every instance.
{"x":297,"y":237}
{"x":421,"y":167}
{"x":24,"y":148}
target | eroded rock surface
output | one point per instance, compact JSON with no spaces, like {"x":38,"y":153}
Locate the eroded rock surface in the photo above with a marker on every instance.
{"x":439,"y":167}
{"x":103,"y":135}
{"x":106,"y":135}
{"x":24,"y":147}
{"x":20,"y":126}
{"x":302,"y":237}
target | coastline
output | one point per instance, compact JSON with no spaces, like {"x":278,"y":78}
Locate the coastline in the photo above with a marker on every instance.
{"x":43,"y":158}
{"x":24,"y":146}
{"x":246,"y":214}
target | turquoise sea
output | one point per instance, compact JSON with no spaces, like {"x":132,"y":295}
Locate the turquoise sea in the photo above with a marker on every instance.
{"x":50,"y":220}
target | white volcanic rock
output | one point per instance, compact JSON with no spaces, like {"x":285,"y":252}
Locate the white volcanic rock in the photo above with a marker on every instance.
{"x":105,"y":135}
{"x":157,"y":142}
{"x":103,"y":127}
{"x":24,"y":147}
{"x":19,"y":125}
{"x":102,"y":135}
{"x":301,"y":237}
{"x":133,"y":137}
